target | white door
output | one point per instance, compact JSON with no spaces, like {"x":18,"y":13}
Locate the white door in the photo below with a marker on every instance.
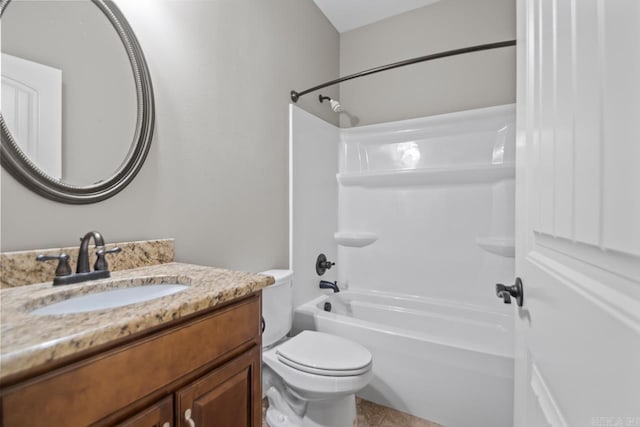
{"x":578,"y":213}
{"x":32,"y":109}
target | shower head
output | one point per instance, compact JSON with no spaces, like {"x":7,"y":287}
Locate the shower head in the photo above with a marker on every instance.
{"x":335,"y":105}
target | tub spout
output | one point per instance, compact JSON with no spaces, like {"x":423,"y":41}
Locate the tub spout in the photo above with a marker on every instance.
{"x":324,"y":284}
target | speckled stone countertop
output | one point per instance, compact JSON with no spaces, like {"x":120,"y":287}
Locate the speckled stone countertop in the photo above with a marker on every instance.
{"x":28,"y":341}
{"x":21,"y":268}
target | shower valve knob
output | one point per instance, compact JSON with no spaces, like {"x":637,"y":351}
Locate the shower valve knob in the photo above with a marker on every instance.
{"x":515,"y":291}
{"x":327,"y":264}
{"x":322,"y":264}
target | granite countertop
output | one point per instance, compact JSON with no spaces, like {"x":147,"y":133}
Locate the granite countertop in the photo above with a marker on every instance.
{"x":28,"y":341}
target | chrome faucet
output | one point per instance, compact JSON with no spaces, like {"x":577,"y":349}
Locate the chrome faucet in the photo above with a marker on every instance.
{"x":324,"y":284}
{"x":64,"y":276}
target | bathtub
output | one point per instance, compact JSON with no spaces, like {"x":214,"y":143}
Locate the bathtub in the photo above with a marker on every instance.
{"x":446,"y":362}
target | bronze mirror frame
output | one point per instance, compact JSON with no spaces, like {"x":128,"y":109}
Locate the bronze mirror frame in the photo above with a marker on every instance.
{"x":14,"y":160}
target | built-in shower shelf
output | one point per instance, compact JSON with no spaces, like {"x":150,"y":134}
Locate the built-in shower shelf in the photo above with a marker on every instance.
{"x":354,"y":239}
{"x":453,"y":175}
{"x":503,"y":246}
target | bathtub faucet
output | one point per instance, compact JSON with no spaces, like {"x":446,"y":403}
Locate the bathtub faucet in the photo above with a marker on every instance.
{"x":324,"y":284}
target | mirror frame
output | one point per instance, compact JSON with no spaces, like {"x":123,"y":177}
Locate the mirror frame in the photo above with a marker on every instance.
{"x":14,"y":160}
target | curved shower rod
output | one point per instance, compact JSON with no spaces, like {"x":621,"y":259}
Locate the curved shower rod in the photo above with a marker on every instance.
{"x":296,"y":95}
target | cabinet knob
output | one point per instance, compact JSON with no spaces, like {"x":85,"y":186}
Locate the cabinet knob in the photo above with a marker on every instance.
{"x":188,"y":419}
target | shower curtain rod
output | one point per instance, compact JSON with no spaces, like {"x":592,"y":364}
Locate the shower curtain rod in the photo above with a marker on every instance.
{"x":296,"y":95}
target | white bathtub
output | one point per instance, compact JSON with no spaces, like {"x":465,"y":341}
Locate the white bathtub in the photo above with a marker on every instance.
{"x":446,"y":362}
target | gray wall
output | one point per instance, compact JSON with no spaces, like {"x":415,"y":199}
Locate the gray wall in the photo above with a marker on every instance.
{"x":216,"y":176}
{"x":451,"y":84}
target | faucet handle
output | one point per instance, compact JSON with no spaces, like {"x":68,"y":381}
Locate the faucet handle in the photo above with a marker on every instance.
{"x":101,"y":260}
{"x":63,"y":268}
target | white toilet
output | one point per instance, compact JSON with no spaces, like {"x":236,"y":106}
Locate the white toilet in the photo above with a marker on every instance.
{"x":310,"y":379}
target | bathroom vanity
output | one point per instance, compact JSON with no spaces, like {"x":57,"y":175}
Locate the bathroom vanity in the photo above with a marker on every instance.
{"x":189,"y":359}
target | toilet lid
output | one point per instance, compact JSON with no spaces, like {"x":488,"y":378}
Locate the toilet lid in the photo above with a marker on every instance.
{"x":324,"y":354}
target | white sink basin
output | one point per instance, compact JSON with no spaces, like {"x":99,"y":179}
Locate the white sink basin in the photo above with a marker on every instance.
{"x":109,"y":299}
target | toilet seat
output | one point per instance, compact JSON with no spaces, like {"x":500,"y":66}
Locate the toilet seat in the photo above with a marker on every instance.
{"x":324,"y":354}
{"x":326,"y":372}
{"x":313,"y":387}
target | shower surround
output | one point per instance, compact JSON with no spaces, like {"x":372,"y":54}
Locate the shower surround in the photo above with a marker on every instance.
{"x":438,"y":194}
{"x":422,"y":229}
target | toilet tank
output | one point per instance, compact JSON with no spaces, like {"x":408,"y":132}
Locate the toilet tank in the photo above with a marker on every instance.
{"x":277,"y":306}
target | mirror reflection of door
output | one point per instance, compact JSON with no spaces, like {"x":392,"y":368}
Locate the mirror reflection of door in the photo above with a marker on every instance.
{"x":32,"y":109}
{"x":98,"y":94}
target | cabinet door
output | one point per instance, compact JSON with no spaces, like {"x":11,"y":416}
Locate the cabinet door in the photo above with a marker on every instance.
{"x":227,"y":397}
{"x":158,"y":415}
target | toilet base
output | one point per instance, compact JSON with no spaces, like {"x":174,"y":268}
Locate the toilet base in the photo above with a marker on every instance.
{"x":338,"y":412}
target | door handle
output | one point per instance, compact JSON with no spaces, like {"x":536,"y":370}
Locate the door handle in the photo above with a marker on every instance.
{"x":506,"y":292}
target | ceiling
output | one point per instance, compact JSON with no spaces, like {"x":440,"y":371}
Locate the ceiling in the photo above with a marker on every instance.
{"x":347,"y":15}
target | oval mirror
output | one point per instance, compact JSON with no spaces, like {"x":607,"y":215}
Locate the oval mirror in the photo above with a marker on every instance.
{"x":77,"y":102}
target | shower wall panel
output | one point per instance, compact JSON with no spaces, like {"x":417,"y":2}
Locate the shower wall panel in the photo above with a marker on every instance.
{"x":435,"y":197}
{"x":313,"y":156}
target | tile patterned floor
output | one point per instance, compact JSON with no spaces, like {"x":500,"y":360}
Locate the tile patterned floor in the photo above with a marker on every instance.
{"x":370,"y":414}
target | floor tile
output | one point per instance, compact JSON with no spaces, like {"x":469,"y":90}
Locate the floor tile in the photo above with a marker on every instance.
{"x":394,"y":418}
{"x":369,"y":414}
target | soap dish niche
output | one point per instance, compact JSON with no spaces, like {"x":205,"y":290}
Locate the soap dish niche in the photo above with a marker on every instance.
{"x":503,"y":246}
{"x":354,"y":239}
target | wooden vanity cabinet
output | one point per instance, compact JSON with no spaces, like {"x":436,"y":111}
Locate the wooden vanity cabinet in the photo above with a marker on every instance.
{"x":204,"y":371}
